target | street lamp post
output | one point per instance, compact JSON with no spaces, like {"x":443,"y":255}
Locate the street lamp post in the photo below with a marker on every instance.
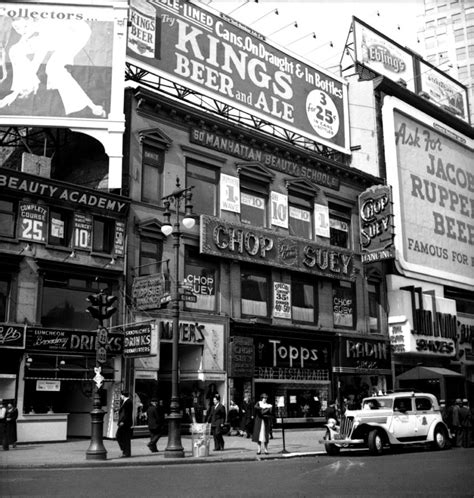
{"x":174,"y":448}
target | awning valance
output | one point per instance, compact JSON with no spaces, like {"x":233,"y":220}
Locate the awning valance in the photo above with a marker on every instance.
{"x":420,"y":373}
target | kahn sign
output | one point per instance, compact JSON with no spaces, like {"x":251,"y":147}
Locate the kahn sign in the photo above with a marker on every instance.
{"x":376,"y":223}
{"x":12,"y":336}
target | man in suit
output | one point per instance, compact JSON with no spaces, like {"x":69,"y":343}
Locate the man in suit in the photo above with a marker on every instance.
{"x":216,"y":417}
{"x":156,"y":423}
{"x":125,"y":422}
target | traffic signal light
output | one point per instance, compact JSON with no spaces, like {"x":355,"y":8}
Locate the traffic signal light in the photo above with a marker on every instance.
{"x":101,"y":307}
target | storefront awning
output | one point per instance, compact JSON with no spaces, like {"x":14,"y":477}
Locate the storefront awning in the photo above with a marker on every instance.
{"x":420,"y":372}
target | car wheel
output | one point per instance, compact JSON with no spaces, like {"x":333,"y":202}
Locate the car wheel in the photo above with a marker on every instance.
{"x":375,"y":442}
{"x":440,"y":439}
{"x":331,"y":449}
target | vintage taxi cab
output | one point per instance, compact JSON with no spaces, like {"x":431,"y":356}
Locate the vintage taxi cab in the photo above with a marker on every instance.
{"x":401,"y":418}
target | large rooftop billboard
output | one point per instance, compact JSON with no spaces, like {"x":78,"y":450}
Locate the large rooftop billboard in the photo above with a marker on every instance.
{"x":429,"y":166}
{"x":61,"y":65}
{"x":220,"y":58}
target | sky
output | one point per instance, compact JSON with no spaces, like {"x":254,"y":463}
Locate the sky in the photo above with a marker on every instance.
{"x":329,"y":20}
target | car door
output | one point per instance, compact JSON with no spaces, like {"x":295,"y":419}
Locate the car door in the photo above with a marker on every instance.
{"x":425,"y":415}
{"x":404,"y":419}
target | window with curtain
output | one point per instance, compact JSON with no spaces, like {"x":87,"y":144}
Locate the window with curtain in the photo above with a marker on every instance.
{"x":374,"y":307}
{"x":253,"y":208}
{"x":254,"y":194}
{"x":4,"y":295}
{"x":204,"y":194}
{"x":255,"y":291}
{"x":151,"y":254}
{"x":200,"y":277}
{"x":300,"y":221}
{"x":301,"y":198}
{"x":7,"y":218}
{"x":152,"y":175}
{"x":103,"y":235}
{"x":303,"y":300}
{"x":339,"y":226}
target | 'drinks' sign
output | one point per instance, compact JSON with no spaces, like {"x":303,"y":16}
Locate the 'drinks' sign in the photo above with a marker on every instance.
{"x":227,"y":61}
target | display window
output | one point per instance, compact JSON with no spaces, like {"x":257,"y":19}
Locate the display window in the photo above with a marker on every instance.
{"x":200,"y":278}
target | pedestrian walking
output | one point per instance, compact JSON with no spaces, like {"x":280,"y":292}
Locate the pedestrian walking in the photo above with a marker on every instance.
{"x":233,"y":418}
{"x":11,"y":417}
{"x":3,"y":424}
{"x":456,"y":422}
{"x":125,"y":423}
{"x":156,"y":423}
{"x":216,"y":417}
{"x":466,"y":423}
{"x":261,"y":429}
{"x":247,"y":418}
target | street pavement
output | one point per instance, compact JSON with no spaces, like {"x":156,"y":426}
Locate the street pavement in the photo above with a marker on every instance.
{"x":298,"y":442}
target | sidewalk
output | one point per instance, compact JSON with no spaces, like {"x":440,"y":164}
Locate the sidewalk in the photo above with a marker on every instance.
{"x":298,"y":442}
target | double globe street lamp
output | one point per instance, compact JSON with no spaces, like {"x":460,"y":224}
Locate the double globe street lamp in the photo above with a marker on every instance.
{"x":174,"y":201}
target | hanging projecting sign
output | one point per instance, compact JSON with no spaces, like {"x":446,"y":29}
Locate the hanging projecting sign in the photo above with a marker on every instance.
{"x":376,"y":224}
{"x":33,"y":222}
{"x":119,"y":241}
{"x":236,"y":65}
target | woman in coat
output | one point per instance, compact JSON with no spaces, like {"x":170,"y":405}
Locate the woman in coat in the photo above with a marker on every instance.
{"x":261,"y":429}
{"x":11,"y":416}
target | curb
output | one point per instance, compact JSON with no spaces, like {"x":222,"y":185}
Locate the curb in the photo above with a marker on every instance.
{"x":89,"y":464}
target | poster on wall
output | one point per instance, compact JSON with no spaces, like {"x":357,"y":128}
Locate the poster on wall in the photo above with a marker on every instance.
{"x":279,"y":209}
{"x":82,"y":231}
{"x":33,"y":225}
{"x":343,"y":306}
{"x":321,"y":221}
{"x":229,"y":193}
{"x":429,"y":166}
{"x":230,"y":62}
{"x":281,"y":300}
{"x":58,"y":60}
{"x":382,"y":55}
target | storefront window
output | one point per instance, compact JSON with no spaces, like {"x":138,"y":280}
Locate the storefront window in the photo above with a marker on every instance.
{"x":56,"y":384}
{"x":303,"y":300}
{"x":255,"y":293}
{"x":343,"y":304}
{"x":64,"y":302}
{"x":200,"y":277}
{"x":204,"y":181}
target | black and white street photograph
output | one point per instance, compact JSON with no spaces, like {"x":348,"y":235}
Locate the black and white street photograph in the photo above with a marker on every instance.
{"x":237,"y":248}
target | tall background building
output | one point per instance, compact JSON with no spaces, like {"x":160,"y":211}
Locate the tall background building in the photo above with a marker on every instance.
{"x":448,"y":34}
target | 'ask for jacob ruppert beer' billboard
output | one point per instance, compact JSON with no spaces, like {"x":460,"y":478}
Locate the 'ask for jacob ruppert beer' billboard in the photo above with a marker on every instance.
{"x":220,"y":58}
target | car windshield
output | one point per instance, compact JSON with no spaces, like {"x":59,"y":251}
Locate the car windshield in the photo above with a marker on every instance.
{"x":377,"y":403}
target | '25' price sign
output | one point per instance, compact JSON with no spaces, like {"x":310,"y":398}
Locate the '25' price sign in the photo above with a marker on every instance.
{"x":33,"y":222}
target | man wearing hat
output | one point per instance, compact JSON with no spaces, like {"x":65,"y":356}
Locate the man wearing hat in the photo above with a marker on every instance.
{"x":456,"y":422}
{"x":125,"y":423}
{"x":156,"y":421}
{"x":466,"y":423}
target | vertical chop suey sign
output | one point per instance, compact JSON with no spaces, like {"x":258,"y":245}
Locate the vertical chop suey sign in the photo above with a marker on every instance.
{"x":234,"y":64}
